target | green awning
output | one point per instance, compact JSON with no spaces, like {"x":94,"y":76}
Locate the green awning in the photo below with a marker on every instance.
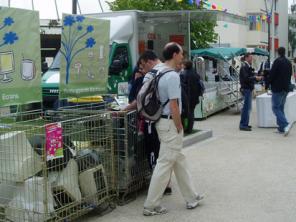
{"x":257,"y":51}
{"x":219,"y":53}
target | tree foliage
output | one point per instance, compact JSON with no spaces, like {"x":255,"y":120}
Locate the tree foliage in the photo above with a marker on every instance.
{"x":150,"y":5}
{"x":202,"y":32}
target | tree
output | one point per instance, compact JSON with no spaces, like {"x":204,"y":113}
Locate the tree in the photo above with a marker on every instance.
{"x":72,"y":34}
{"x":202,"y":32}
{"x":9,"y":38}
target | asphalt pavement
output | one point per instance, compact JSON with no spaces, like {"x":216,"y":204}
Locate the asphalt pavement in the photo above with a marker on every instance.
{"x":245,"y":177}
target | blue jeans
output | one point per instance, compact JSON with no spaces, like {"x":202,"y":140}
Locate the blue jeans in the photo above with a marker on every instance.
{"x":278,"y":101}
{"x":246,"y":110}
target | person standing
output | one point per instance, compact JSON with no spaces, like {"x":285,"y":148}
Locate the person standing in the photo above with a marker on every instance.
{"x":190,"y":79}
{"x":247,"y":80}
{"x":280,"y":80}
{"x":264,"y":71}
{"x":170,"y":132}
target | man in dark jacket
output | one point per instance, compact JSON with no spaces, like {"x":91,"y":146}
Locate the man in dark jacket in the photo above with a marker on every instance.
{"x":189,"y":80}
{"x":247,"y":80}
{"x":280,"y":80}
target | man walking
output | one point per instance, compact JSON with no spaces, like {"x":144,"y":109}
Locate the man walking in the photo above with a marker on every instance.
{"x":170,"y":132}
{"x":280,"y":80}
{"x":247,"y":80}
{"x":150,"y":63}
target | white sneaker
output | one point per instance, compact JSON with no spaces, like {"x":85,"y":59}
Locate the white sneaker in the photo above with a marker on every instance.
{"x":195,"y":203}
{"x":156,"y":211}
{"x":287,"y":129}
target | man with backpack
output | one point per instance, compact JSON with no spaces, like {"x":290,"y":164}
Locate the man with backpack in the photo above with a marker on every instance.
{"x":170,"y":131}
{"x":150,"y":63}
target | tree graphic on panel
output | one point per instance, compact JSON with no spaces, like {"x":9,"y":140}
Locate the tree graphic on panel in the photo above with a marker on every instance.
{"x":73,"y":33}
{"x":8,"y":38}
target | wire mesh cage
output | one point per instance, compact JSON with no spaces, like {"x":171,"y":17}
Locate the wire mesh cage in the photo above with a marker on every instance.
{"x":132,"y":169}
{"x":132,"y":166}
{"x":54,"y":166}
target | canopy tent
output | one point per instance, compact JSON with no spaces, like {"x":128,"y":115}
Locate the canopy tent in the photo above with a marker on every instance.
{"x":257,"y":51}
{"x":227,"y":53}
{"x":219,"y":53}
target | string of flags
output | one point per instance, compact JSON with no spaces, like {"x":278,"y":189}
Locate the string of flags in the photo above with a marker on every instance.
{"x":206,"y":4}
{"x":255,"y":18}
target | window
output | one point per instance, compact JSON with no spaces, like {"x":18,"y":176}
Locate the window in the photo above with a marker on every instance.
{"x":120,"y":61}
{"x":275,"y":5}
{"x":276,"y":31}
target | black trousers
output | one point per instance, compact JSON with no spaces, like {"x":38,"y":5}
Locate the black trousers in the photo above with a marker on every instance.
{"x":152,"y":143}
{"x":188,"y":120}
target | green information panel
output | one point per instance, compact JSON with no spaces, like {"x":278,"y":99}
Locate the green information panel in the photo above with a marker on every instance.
{"x":85,"y":55}
{"x":20,"y":64}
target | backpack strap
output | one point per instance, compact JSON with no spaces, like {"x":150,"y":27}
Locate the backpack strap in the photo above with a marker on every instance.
{"x":160,"y":74}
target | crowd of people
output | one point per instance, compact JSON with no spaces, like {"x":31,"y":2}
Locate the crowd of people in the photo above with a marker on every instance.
{"x":179,"y":93}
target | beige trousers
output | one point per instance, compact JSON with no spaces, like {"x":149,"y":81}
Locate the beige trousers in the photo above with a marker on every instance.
{"x":171,"y":158}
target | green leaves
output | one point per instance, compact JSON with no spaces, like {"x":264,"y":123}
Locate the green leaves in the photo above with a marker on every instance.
{"x":202,"y":34}
{"x":150,"y":5}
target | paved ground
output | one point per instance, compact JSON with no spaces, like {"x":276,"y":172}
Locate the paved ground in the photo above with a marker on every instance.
{"x":246,"y":177}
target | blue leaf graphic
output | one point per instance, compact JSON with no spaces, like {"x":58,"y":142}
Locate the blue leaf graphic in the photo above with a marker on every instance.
{"x":69,"y":20}
{"x":90,"y":28}
{"x":10,"y":38}
{"x":8,"y":21}
{"x":80,"y":18}
{"x":90,"y":42}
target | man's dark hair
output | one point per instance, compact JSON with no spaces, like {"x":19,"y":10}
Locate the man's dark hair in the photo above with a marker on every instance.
{"x":169,"y":51}
{"x":247,"y":55}
{"x":188,"y":64}
{"x":148,"y":55}
{"x":281,"y":51}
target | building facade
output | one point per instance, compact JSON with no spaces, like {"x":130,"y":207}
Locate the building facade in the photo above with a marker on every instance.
{"x":255,"y":32}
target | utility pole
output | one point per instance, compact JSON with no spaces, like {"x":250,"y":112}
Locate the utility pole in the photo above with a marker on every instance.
{"x":74,"y":7}
{"x":269,"y":17}
{"x":101,"y":7}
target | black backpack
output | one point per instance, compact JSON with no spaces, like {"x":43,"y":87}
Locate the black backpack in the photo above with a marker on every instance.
{"x":148,"y":101}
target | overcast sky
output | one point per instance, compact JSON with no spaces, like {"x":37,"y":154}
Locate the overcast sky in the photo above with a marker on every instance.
{"x":47,"y":7}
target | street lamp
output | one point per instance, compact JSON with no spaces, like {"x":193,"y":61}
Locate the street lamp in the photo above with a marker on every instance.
{"x":74,"y":7}
{"x":268,"y":12}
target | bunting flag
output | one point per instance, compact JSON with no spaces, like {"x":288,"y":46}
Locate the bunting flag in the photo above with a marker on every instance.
{"x":206,"y":4}
{"x":197,"y":2}
{"x":255,"y":18}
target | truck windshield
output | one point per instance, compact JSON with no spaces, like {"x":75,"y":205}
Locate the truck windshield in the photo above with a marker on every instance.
{"x":56,"y":62}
